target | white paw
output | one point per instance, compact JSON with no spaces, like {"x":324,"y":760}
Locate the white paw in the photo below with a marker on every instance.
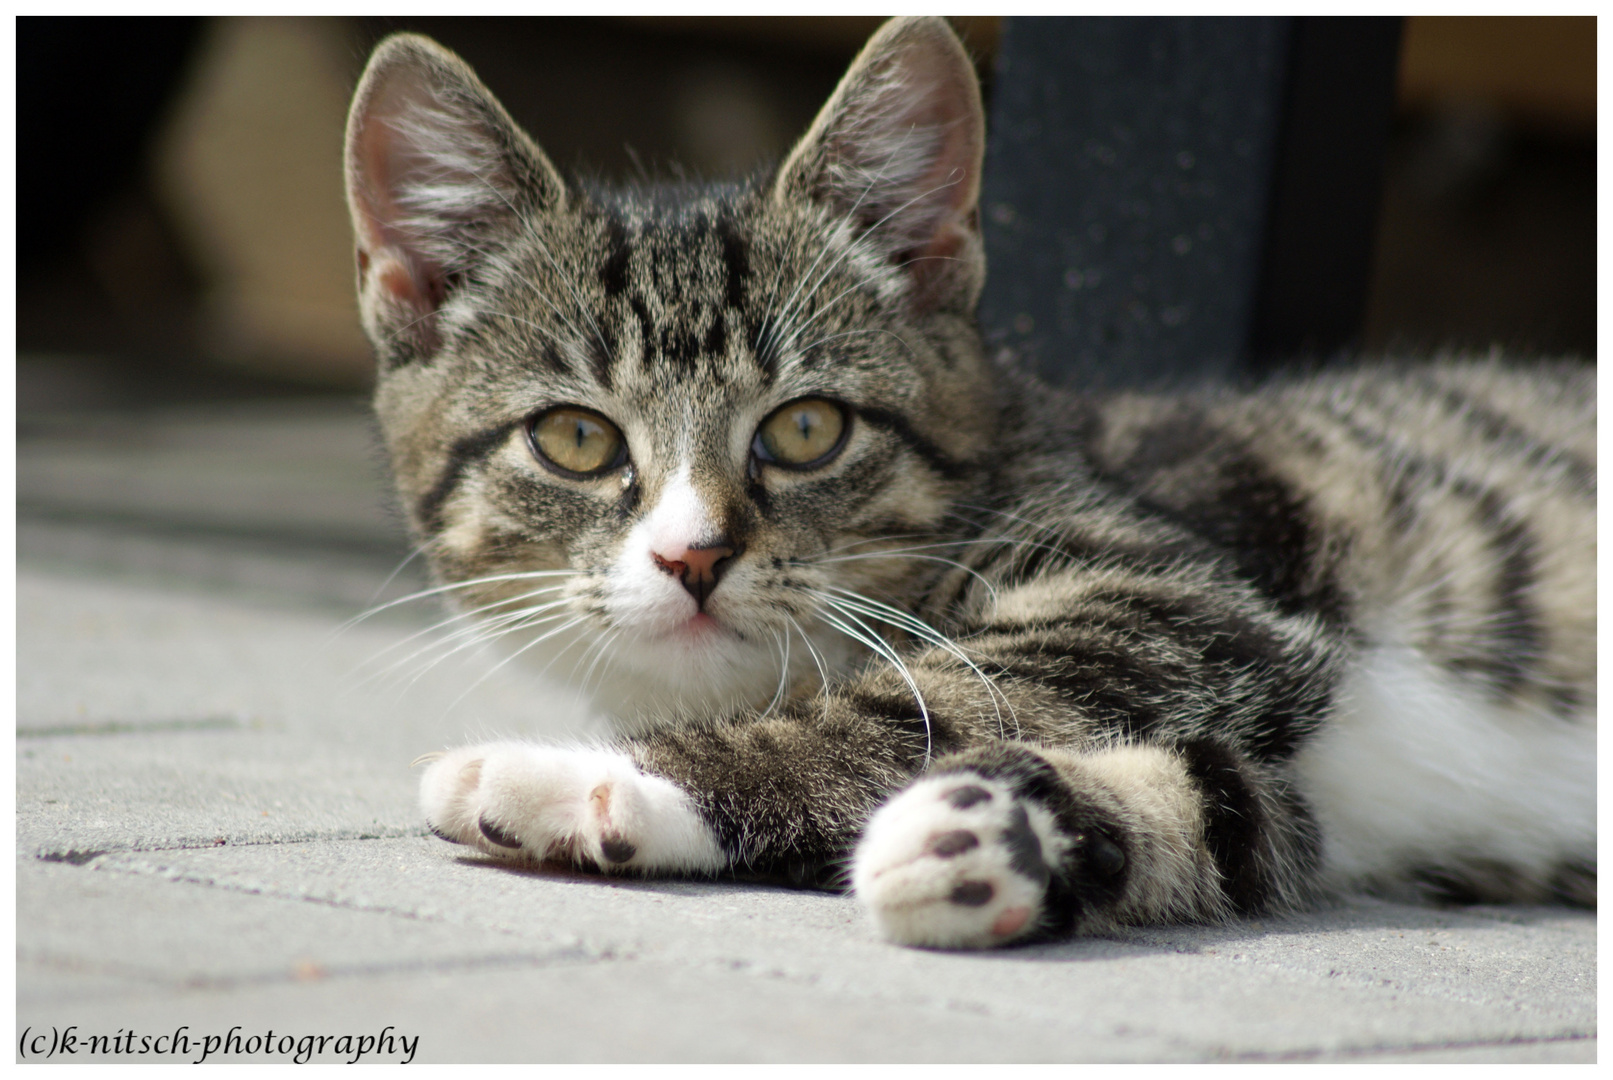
{"x":956,"y":861}
{"x":534,"y":803}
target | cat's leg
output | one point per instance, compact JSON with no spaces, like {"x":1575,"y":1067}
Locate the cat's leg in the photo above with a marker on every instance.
{"x":1008,"y":842}
{"x":527,"y":802}
{"x":1159,"y":720}
{"x":783,"y":794}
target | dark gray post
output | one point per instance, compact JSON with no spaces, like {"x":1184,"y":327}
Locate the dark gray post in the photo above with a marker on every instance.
{"x":1326,"y":184}
{"x":1129,"y":192}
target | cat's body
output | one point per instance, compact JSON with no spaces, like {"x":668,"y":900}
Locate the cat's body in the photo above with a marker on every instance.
{"x":734,"y":456}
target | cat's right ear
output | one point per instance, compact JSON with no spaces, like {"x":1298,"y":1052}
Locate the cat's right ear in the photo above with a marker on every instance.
{"x":438,"y":178}
{"x":897,"y":150}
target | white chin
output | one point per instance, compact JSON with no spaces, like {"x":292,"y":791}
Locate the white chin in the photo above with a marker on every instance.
{"x":686,"y":676}
{"x":645,"y":680}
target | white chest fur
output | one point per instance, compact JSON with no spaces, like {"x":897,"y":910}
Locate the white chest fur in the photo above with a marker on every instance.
{"x":1420,"y":768}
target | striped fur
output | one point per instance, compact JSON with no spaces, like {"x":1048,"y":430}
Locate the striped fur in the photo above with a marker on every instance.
{"x":1010,"y":661}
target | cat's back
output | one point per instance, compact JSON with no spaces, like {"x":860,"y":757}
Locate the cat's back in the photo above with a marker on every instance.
{"x":1447,"y":506}
{"x":1440,"y":521}
{"x":1456,"y":503}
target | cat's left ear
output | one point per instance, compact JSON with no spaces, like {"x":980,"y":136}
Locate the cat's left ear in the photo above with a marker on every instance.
{"x":438,"y":179}
{"x":898,"y":149}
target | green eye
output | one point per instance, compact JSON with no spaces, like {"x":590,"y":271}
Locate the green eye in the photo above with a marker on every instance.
{"x":576,"y":441}
{"x":803,"y":434}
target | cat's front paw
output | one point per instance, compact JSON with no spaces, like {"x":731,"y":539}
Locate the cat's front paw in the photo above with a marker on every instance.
{"x":957,"y":861}
{"x":588,"y":807}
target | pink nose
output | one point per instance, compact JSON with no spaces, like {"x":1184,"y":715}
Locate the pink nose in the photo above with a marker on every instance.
{"x":698,"y":568}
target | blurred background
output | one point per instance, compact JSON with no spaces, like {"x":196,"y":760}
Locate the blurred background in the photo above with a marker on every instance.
{"x":182,"y":233}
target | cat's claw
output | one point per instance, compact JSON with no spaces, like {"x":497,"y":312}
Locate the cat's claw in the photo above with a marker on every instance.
{"x":956,"y":861}
{"x":534,"y":803}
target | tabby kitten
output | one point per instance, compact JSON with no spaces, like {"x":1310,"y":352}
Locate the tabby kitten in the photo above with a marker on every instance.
{"x":1026,"y":663}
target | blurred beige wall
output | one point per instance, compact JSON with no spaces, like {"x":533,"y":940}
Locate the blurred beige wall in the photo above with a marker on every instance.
{"x":249,"y":167}
{"x":1541,"y":69}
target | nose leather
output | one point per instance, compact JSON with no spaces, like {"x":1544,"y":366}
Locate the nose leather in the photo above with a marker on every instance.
{"x":699,"y":568}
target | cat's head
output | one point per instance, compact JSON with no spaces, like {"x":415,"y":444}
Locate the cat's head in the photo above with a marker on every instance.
{"x":668,"y":437}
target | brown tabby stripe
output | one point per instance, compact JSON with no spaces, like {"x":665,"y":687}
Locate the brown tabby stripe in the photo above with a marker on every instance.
{"x":1234,"y":823}
{"x":1501,"y":432}
{"x":1516,"y":636}
{"x":1260,"y":521}
{"x":463,"y":454}
{"x":932,"y":455}
{"x":613,"y":273}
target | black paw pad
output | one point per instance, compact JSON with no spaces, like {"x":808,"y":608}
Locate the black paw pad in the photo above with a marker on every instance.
{"x":973,"y":894}
{"x":616,"y":849}
{"x":952,"y":843}
{"x":1105,"y":856}
{"x":497,"y":835}
{"x":440,"y":835}
{"x":966,"y":796}
{"x":1024,"y":848}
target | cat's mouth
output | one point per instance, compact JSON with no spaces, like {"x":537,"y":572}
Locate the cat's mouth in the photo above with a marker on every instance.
{"x":695,"y":630}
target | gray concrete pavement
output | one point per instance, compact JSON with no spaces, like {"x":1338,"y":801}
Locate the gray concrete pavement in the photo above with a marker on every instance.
{"x":216,"y":829}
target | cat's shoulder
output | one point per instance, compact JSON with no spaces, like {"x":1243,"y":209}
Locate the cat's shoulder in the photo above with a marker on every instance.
{"x":1435,"y":406}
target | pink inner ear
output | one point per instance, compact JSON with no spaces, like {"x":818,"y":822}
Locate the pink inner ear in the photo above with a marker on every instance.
{"x":947,"y":242}
{"x":413,"y":288}
{"x":399,"y":280}
{"x":908,"y":150}
{"x":927,"y":265}
{"x":379,"y":171}
{"x":945,"y":105}
{"x":403,"y":273}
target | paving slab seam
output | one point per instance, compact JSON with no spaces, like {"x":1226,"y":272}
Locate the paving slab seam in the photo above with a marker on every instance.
{"x":1368,"y":981}
{"x":77,"y":857}
{"x":1031,"y":1011}
{"x":605,"y":953}
{"x":1347,"y":1052}
{"x":567,"y":956}
{"x":157,"y":870}
{"x":1279,"y":966}
{"x":302,"y":542}
{"x":577,"y":951}
{"x":134,"y":727}
{"x":1135,"y":1044}
{"x":154,"y":565}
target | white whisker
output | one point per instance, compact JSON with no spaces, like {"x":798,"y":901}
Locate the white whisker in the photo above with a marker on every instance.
{"x":925,"y":632}
{"x":850,"y":248}
{"x":789,"y":305}
{"x":856,"y":333}
{"x":575,"y":621}
{"x":474,"y":637}
{"x":533,"y":232}
{"x":782,"y":642}
{"x":871,"y":639}
{"x":479,"y":630}
{"x":416,"y":552}
{"x":817,"y":659}
{"x":908,"y":553}
{"x":600,"y":647}
{"x":450,"y":587}
{"x":475,"y":613}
